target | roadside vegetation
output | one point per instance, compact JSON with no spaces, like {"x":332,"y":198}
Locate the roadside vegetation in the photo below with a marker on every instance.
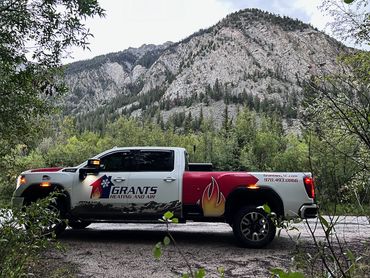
{"x":24,"y":236}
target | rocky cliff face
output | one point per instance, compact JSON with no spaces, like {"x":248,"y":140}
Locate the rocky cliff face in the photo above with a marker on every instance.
{"x":93,"y":83}
{"x":249,"y":58}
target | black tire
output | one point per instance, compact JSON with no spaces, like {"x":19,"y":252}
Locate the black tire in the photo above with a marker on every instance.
{"x":58,"y":228}
{"x":60,"y":225}
{"x":78,"y":224}
{"x":253,"y":228}
{"x":55,"y":228}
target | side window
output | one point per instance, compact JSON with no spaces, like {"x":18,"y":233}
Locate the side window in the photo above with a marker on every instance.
{"x":154,"y":161}
{"x":116,"y":162}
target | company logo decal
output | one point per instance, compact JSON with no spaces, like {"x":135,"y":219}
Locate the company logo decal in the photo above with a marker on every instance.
{"x":213,"y":201}
{"x":101,"y":187}
{"x":104,"y":188}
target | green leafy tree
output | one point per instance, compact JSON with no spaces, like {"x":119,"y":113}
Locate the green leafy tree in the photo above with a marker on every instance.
{"x":245,"y":127}
{"x":335,"y":169}
{"x":34,"y":36}
{"x":264,"y":143}
{"x":75,"y":150}
{"x":294,"y":157}
{"x":337,"y":109}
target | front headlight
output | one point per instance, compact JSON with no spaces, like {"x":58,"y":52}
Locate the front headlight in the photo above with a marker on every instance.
{"x":21,"y":180}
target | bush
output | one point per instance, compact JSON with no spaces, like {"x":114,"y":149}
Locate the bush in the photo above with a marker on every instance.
{"x":21,"y":246}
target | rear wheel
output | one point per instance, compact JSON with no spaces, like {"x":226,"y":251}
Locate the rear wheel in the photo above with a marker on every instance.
{"x":253,"y":228}
{"x":78,"y":224}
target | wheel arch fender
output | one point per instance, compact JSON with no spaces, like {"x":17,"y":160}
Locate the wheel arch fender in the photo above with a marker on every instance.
{"x":35,"y":192}
{"x":243,"y":196}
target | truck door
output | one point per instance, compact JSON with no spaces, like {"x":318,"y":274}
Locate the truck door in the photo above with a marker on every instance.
{"x":93,"y":196}
{"x":154,"y":183}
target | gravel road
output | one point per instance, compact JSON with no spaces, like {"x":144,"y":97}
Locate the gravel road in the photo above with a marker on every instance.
{"x":125,"y":250}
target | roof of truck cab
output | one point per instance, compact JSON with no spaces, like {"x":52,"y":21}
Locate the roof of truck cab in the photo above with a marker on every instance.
{"x":138,"y":148}
{"x":131,"y":148}
{"x":147,"y":148}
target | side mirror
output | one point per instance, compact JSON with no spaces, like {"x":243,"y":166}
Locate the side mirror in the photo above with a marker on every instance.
{"x":93,"y":163}
{"x":92,"y":168}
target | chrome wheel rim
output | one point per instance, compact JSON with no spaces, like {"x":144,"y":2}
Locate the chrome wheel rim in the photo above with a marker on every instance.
{"x":254,"y":226}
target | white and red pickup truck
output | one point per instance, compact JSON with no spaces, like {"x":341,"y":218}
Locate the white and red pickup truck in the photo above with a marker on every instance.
{"x":140,"y":184}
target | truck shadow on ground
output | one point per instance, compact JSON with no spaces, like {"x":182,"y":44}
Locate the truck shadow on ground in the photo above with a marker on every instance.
{"x":151,"y":236}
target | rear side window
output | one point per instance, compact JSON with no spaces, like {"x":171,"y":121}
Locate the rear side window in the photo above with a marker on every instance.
{"x":154,"y":161}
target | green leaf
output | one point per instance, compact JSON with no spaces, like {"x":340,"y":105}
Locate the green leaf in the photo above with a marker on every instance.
{"x":327,"y":232}
{"x":348,"y":1}
{"x":277,"y":271}
{"x":200,"y":273}
{"x":157,"y":252}
{"x":324,"y":222}
{"x":266,"y":208}
{"x":185,"y":275}
{"x":166,"y":241}
{"x":282,"y":274}
{"x":296,"y":275}
{"x":221,"y":271}
{"x":175,"y":220}
{"x":351,"y":256}
{"x":158,"y":245}
{"x":168,"y":215}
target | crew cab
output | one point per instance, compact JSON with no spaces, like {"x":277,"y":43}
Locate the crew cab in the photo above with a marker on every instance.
{"x":140,"y":184}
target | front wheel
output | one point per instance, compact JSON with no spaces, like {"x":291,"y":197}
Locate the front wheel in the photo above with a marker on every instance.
{"x":253,"y":228}
{"x":45,"y":218}
{"x":58,"y":223}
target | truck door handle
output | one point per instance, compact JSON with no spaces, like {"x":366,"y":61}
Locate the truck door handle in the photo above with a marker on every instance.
{"x":169,"y":179}
{"x":119,"y":179}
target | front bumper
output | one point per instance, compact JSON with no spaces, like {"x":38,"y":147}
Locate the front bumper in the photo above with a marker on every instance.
{"x":308,"y":211}
{"x":17,"y":202}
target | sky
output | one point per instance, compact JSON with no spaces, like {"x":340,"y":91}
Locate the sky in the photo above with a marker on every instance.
{"x":132,"y":23}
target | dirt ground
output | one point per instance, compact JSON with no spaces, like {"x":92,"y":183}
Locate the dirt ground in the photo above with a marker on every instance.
{"x":125,"y":250}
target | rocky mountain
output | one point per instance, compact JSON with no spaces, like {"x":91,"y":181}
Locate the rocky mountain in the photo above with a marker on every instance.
{"x":251,"y":58}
